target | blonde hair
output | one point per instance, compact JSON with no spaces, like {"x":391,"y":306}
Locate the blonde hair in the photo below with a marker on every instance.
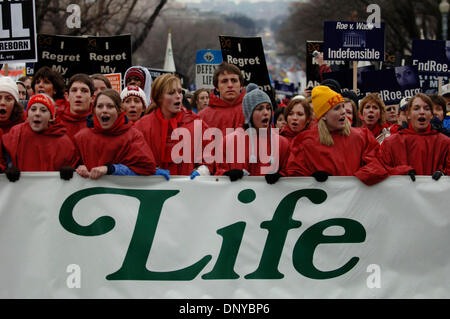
{"x":325,"y":135}
{"x":375,"y":98}
{"x":160,"y":86}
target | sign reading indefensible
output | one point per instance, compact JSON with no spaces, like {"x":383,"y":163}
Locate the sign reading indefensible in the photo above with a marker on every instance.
{"x":18,"y":31}
{"x":206,"y":62}
{"x":248,"y":55}
{"x":353,"y":41}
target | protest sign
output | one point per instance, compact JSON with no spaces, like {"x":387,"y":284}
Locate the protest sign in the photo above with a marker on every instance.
{"x":18,"y":31}
{"x":109,"y":54}
{"x":345,"y":78}
{"x":312,"y":68}
{"x":392,"y":84}
{"x":70,"y":55}
{"x":431,"y":56}
{"x":353,"y":41}
{"x":248,"y":55}
{"x":154,"y":73}
{"x":116,"y":81}
{"x":206,"y":62}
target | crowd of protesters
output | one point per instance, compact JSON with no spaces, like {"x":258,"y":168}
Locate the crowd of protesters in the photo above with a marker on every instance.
{"x":88,"y":128}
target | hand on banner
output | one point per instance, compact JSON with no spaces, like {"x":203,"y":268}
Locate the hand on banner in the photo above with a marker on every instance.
{"x":66,"y":173}
{"x":412,"y":174}
{"x":12,"y":173}
{"x":436,"y":175}
{"x":273,"y":178}
{"x":163,"y":172}
{"x":234,"y":174}
{"x":320,"y":176}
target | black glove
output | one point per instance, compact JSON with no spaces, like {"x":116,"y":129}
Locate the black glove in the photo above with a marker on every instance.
{"x":436,"y":175}
{"x":320,"y":176}
{"x":66,"y":173}
{"x":412,"y":174}
{"x":273,"y":178}
{"x":12,"y":173}
{"x":234,"y":174}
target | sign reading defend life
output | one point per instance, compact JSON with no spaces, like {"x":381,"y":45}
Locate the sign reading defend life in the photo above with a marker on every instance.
{"x":353,"y":41}
{"x":17,"y":31}
{"x":206,"y":61}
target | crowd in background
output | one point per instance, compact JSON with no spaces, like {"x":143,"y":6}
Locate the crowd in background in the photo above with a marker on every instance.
{"x":88,"y":128}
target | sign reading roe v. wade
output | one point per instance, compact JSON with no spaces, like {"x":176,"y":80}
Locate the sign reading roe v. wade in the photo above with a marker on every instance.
{"x":144,"y":237}
{"x":353,"y":41}
{"x":18,"y":31}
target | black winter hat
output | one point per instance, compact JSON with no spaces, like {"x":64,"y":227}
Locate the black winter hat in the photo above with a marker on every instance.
{"x":332,"y":84}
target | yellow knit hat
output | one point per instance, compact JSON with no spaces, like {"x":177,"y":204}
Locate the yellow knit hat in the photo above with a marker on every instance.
{"x":323,"y":99}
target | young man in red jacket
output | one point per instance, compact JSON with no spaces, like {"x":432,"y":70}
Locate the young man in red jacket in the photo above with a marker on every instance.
{"x":225,"y":101}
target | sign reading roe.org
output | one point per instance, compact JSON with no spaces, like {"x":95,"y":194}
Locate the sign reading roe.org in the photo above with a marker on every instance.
{"x":17,"y":31}
{"x":353,"y":41}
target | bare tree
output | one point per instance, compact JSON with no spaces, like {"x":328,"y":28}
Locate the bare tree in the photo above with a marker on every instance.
{"x":102,"y":17}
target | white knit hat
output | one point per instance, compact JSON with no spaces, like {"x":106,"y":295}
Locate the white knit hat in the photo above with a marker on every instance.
{"x":136,"y":91}
{"x":9,"y":86}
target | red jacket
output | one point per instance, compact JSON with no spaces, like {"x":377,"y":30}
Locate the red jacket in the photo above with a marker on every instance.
{"x":223,"y":115}
{"x":157,"y":133}
{"x":236,"y":162}
{"x":5,"y":126}
{"x":46,"y":151}
{"x":122,"y":144}
{"x":353,"y":155}
{"x":376,"y":131}
{"x":73,"y":123}
{"x":426,"y":152}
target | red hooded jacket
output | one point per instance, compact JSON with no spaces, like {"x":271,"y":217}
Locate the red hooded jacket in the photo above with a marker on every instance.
{"x":73,"y":123}
{"x":46,"y":151}
{"x":236,"y":162}
{"x":157,"y":133}
{"x":425,"y":152}
{"x":353,"y":155}
{"x":222,"y":114}
{"x":7,"y":125}
{"x":121,"y":144}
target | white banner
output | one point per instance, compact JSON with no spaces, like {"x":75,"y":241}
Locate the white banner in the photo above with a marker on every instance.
{"x":144,"y":237}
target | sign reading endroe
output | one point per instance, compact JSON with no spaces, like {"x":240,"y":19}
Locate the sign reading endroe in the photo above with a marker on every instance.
{"x":248,"y":55}
{"x":17,"y":31}
{"x":353,"y":41}
{"x":70,"y":55}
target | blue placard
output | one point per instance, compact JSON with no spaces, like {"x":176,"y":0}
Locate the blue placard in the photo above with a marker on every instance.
{"x":353,"y":41}
{"x":431,"y":56}
{"x":208,"y":57}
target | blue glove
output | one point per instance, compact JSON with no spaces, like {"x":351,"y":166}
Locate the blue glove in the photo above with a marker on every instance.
{"x":194,"y":174}
{"x":163,"y":172}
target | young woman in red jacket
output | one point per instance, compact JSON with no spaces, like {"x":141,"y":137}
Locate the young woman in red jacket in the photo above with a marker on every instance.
{"x":165,"y":115}
{"x":373,"y":115}
{"x":298,"y":115}
{"x":110,"y":145}
{"x":333,"y":147}
{"x":40,"y":143}
{"x":417,"y":149}
{"x":258,"y":140}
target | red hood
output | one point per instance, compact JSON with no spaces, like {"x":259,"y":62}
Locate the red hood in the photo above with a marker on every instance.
{"x":216,"y":101}
{"x":410,"y":130}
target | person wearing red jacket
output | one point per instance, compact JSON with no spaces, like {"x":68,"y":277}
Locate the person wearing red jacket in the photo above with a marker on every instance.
{"x":298,"y":115}
{"x":373,"y":115}
{"x":258,"y":140}
{"x":225,"y":100}
{"x":417,"y":149}
{"x":50,"y":82}
{"x":333,"y":147}
{"x":166,"y":117}
{"x":40,"y":143}
{"x":111,"y":145}
{"x":79,"y":96}
{"x":11,"y":110}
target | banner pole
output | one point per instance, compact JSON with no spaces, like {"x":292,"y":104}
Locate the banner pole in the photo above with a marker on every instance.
{"x":355,"y":76}
{"x":6,"y":69}
{"x":440,"y":80}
